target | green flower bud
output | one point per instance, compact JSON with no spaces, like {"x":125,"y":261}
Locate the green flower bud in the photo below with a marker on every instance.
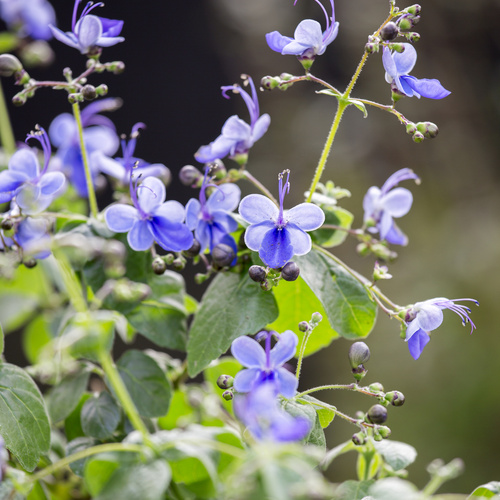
{"x":411,"y":128}
{"x":371,"y":48}
{"x":89,"y":92}
{"x":159,"y":266}
{"x":116,"y":67}
{"x":37,"y":53}
{"x":404,"y":24}
{"x":359,"y":438}
{"x":418,"y":137}
{"x":75,"y":97}
{"x":130,"y":291}
{"x":169,"y":259}
{"x":304,"y":326}
{"x":363,"y":249}
{"x":377,"y":414}
{"x":389,"y":32}
{"x":19,"y":99}
{"x":413,"y":9}
{"x":384,"y":431}
{"x":225,"y":382}
{"x":359,"y":372}
{"x":428,"y":129}
{"x":218,"y":169}
{"x":200,"y":278}
{"x":270,"y":82}
{"x":266,"y":285}
{"x":359,"y":353}
{"x":179,"y":263}
{"x":396,"y":398}
{"x":382,"y":252}
{"x":222,"y":255}
{"x":101,"y":90}
{"x":306,"y":62}
{"x":30,"y":263}
{"x":228,"y":395}
{"x":290,"y":271}
{"x":189,"y":175}
{"x":194,"y":250}
{"x":376,"y":387}
{"x":412,"y":36}
{"x":397,"y":47}
{"x":9,"y":65}
{"x":316,"y":319}
{"x":257,"y":273}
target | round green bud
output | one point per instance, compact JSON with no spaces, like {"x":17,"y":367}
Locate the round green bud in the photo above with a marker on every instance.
{"x":414,"y":9}
{"x":396,"y":398}
{"x":316,"y":318}
{"x":266,"y":285}
{"x":117,"y":67}
{"x":101,"y":90}
{"x":159,"y":266}
{"x":428,"y":129}
{"x":404,"y":23}
{"x":19,"y":99}
{"x":371,"y":48}
{"x":397,"y":47}
{"x":389,"y":32}
{"x":74,"y":98}
{"x":363,"y":249}
{"x":418,"y":137}
{"x":376,"y":387}
{"x":411,"y":128}
{"x":290,"y":271}
{"x":225,"y":382}
{"x":7,"y":224}
{"x":29,"y":263}
{"x":359,"y":353}
{"x":194,"y":250}
{"x":304,"y":326}
{"x":377,"y":436}
{"x":179,"y":263}
{"x":200,"y":278}
{"x":269,"y":82}
{"x":377,"y":414}
{"x":359,"y":372}
{"x":384,"y":431}
{"x":89,"y":92}
{"x":257,"y":273}
{"x":189,"y":175}
{"x":9,"y":65}
{"x":412,"y":36}
{"x":359,"y":438}
{"x":222,"y":255}
{"x":228,"y":395}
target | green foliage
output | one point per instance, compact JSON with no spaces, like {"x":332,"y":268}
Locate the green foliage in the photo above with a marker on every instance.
{"x":334,"y":216}
{"x":353,"y":490}
{"x":100,"y":416}
{"x":35,"y":337}
{"x":225,"y":365}
{"x":297,"y":408}
{"x":489,"y":490}
{"x":395,"y":454}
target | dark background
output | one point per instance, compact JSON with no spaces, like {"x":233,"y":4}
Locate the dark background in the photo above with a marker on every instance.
{"x":178,"y":54}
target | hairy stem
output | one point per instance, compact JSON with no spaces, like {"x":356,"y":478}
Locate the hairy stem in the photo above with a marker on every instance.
{"x":6,"y":135}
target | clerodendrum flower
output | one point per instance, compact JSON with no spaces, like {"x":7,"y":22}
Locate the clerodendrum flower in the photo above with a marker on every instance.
{"x":265,"y":366}
{"x":31,"y":17}
{"x":309,"y":40}
{"x":382,"y":205}
{"x":275,"y":233}
{"x":398,"y":66}
{"x":90,"y":31}
{"x":33,"y":189}
{"x":423,"y":317}
{"x":237,"y":136}
{"x":150,"y":219}
{"x":211,"y":219}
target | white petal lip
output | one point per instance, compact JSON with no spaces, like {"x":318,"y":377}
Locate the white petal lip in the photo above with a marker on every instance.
{"x":254,"y":234}
{"x":256,"y":208}
{"x":306,"y":216}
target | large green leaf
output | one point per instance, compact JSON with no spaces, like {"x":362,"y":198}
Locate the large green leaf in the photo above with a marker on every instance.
{"x":297,"y":302}
{"x":296,"y":409}
{"x":336,"y":216}
{"x":353,"y":490}
{"x":397,"y":455}
{"x":24,"y":423}
{"x":100,"y":416}
{"x":346,"y":302}
{"x":146,"y":383}
{"x":489,"y":490}
{"x":232,"y":306}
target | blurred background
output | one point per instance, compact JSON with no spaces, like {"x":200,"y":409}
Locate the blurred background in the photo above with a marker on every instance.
{"x":178,"y":55}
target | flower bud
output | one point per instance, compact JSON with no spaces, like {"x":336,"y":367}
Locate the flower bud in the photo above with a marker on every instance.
{"x":359,"y":372}
{"x":381,"y":272}
{"x":7,"y":224}
{"x":74,"y":98}
{"x":316,"y":319}
{"x":222,"y":255}
{"x":411,"y":128}
{"x":200,"y":278}
{"x":389,"y":32}
{"x":359,"y":353}
{"x":101,"y":90}
{"x":19,"y":99}
{"x":304,"y":326}
{"x":359,"y":438}
{"x":194,"y":250}
{"x":371,"y":48}
{"x":418,"y":137}
{"x":376,"y":387}
{"x":413,"y":9}
{"x":270,"y":82}
{"x":397,"y":47}
{"x":9,"y":65}
{"x":396,"y":398}
{"x":29,"y":263}
{"x":228,"y":395}
{"x":257,"y":273}
{"x":179,"y":263}
{"x":189,"y":175}
{"x":116,"y":67}
{"x":266,"y":285}
{"x":89,"y":93}
{"x":382,"y":252}
{"x":225,"y":381}
{"x":428,"y":129}
{"x":218,"y":169}
{"x":412,"y":36}
{"x":384,"y":431}
{"x":377,"y":414}
{"x":159,"y":266}
{"x":290,"y":271}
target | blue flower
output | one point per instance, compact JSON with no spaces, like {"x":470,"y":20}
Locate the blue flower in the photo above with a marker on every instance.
{"x":211,"y":219}
{"x":32,"y":16}
{"x":266,"y":366}
{"x":309,"y":40}
{"x":262,"y":416}
{"x":398,"y":66}
{"x":99,"y":135}
{"x":423,"y":317}
{"x":90,"y":31}
{"x":382,"y":205}
{"x":276,"y":234}
{"x":33,"y":189}
{"x":150,"y":219}
{"x":32,"y":236}
{"x":120,"y":168}
{"x":237,"y":136}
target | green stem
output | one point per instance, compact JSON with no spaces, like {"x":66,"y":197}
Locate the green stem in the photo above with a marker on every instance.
{"x":302,"y":351}
{"x":71,"y":281}
{"x":88,"y":452}
{"x":122,"y":394}
{"x":6,"y":135}
{"x":348,"y":387}
{"x":88,"y":175}
{"x":249,"y":177}
{"x":433,"y":485}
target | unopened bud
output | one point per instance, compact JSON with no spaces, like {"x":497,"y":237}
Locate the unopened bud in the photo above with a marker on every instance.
{"x":89,"y":92}
{"x":225,"y":381}
{"x":359,"y":353}
{"x":397,"y":47}
{"x":304,"y":326}
{"x":384,"y":431}
{"x":130,"y":291}
{"x":371,"y":48}
{"x":7,"y":224}
{"x":428,"y":129}
{"x":159,"y":266}
{"x":396,"y":398}
{"x":413,"y":9}
{"x":377,"y":414}
{"x":411,"y":128}
{"x":266,"y":285}
{"x":359,"y":438}
{"x":412,"y":36}
{"x":194,"y":250}
{"x":270,"y":82}
{"x":222,"y":255}
{"x":116,"y":67}
{"x":290,"y":271}
{"x":389,"y":32}
{"x":376,"y":387}
{"x":316,"y":319}
{"x":19,"y":99}
{"x":359,"y":372}
{"x":218,"y":169}
{"x":75,"y":97}
{"x":189,"y":175}
{"x":257,"y":273}
{"x":179,"y":263}
{"x":29,"y":263}
{"x":228,"y":395}
{"x":101,"y":90}
{"x":418,"y":137}
{"x":9,"y":65}
{"x":200,"y":278}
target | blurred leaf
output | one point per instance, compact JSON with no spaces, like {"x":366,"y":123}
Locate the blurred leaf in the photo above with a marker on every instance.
{"x":79,"y":444}
{"x":296,"y":303}
{"x":2,"y":340}
{"x":100,"y":416}
{"x":397,"y":455}
{"x":393,"y":488}
{"x":347,"y":304}
{"x":226,"y":365}
{"x":335,"y":216}
{"x":8,"y":42}
{"x":325,"y":415}
{"x":16,"y":309}
{"x":316,"y":435}
{"x":368,"y":464}
{"x":232,"y":306}
{"x":489,"y":490}
{"x":38,"y":492}
{"x":352,"y":490}
{"x":179,"y":412}
{"x":35,"y":337}
{"x":146,"y":383}
{"x":72,"y":424}
{"x":23,"y":418}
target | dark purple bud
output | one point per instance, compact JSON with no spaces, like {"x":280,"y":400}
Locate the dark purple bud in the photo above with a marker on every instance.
{"x":377,"y":414}
{"x":257,"y":273}
{"x":290,"y":271}
{"x":389,"y":32}
{"x":194,"y":250}
{"x":222,"y":255}
{"x":396,"y":398}
{"x":429,"y":129}
{"x":159,"y":266}
{"x":304,"y":326}
{"x":7,"y":224}
{"x":9,"y":65}
{"x":179,"y":263}
{"x":225,"y":381}
{"x":359,"y":438}
{"x":89,"y":93}
{"x":228,"y":395}
{"x":29,"y":263}
{"x":189,"y":175}
{"x":359,"y":353}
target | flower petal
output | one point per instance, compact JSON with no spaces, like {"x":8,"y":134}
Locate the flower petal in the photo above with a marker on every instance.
{"x":260,"y":127}
{"x":429,"y":316}
{"x":236,"y":129}
{"x":120,"y":218}
{"x":248,"y":352}
{"x":171,"y":210}
{"x":52,"y":183}
{"x":88,"y":30}
{"x":67,"y":38}
{"x":284,"y":349}
{"x":25,"y":162}
{"x":151,"y":194}
{"x":432,"y":89}
{"x":306,"y":216}
{"x":256,"y":208}
{"x":171,"y":236}
{"x":140,"y":237}
{"x":276,"y":248}
{"x":397,"y":202}
{"x":417,"y":343}
{"x":277,"y":41}
{"x":62,"y":129}
{"x":9,"y":181}
{"x":255,"y":234}
{"x":288,"y":382}
{"x":244,"y":380}
{"x":395,"y":236}
{"x":308,"y":33}
{"x":193,"y":208}
{"x":225,"y":197}
{"x":405,"y":61}
{"x":300,"y":240}
{"x":389,"y":64}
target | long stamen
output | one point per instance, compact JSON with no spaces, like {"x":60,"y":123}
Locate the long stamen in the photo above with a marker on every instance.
{"x":75,"y":10}
{"x":252,"y":104}
{"x":41,"y":136}
{"x":283,"y":190}
{"x":325,"y":13}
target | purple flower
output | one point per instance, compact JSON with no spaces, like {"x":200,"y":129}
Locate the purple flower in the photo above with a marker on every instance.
{"x":32,"y":236}
{"x":266,"y":366}
{"x":397,"y":66}
{"x":99,"y":135}
{"x":150,"y":219}
{"x":423,"y":317}
{"x":382,"y":205}
{"x":262,"y":416}
{"x":237,"y":136}
{"x":90,"y":31}
{"x":309,"y":40}
{"x":33,"y":189}
{"x":32,"y":16}
{"x":276,"y":234}
{"x":211,"y":219}
{"x":120,"y":168}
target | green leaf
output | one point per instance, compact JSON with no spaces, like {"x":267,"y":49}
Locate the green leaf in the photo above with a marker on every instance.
{"x":64,"y":398}
{"x":397,"y":455}
{"x":226,"y":365}
{"x":35,"y":337}
{"x":297,"y":302}
{"x":316,"y":435}
{"x":489,"y":490}
{"x":16,"y":309}
{"x":8,"y":42}
{"x":179,"y":414}
{"x":325,"y":414}
{"x":353,"y":490}
{"x":2,"y":340}
{"x":146,"y":383}
{"x":232,"y":306}
{"x":393,"y":488}
{"x":335,"y":216}
{"x":100,"y":416}
{"x":38,"y":492}
{"x":360,"y":105}
{"x":72,"y":424}
{"x":79,"y":444}
{"x":24,"y":423}
{"x":347,"y":304}
{"x":368,"y":464}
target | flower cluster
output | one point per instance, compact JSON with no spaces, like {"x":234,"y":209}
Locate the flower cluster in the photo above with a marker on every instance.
{"x":31,"y":17}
